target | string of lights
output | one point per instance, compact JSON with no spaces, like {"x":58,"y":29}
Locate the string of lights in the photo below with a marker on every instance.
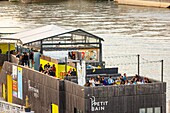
{"x":131,"y":63}
{"x":108,"y":57}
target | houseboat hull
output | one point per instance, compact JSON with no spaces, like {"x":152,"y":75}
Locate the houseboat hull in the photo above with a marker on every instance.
{"x":150,"y":3}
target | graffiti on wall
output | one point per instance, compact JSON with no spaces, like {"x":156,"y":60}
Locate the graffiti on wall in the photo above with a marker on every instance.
{"x":35,"y":90}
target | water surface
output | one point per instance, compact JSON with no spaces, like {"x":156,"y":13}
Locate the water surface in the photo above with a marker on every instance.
{"x":127,"y":30}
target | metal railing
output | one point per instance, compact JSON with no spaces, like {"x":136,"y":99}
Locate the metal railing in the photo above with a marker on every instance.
{"x":6,"y":107}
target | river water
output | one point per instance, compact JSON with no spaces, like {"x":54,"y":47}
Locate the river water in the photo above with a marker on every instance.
{"x":127,"y":30}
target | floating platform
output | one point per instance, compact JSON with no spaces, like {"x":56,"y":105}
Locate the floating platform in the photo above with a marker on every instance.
{"x":148,"y":3}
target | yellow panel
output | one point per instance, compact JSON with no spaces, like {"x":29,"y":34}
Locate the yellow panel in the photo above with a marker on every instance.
{"x":0,"y":68}
{"x":3,"y":91}
{"x":9,"y":88}
{"x":43,"y":62}
{"x":4,"y":47}
{"x":61,"y":68}
{"x":54,"y":108}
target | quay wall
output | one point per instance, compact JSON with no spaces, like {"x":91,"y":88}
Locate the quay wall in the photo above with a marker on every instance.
{"x":148,"y":3}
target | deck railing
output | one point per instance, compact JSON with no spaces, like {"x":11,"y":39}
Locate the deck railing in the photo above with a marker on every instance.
{"x":6,"y":107}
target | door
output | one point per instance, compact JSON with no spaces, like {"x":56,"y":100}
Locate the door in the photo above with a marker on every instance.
{"x":3,"y":91}
{"x":54,"y":108}
{"x":9,"y":88}
{"x":36,"y":60}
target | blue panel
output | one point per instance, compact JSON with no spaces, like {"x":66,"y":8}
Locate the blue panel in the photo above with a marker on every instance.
{"x":36,"y":60}
{"x":20,"y":83}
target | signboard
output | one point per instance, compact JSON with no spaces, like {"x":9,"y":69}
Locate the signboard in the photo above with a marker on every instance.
{"x":14,"y":88}
{"x":33,"y":89}
{"x":97,"y":105}
{"x":85,"y":54}
{"x":14,"y":81}
{"x":14,"y":72}
{"x":20,"y":83}
{"x":81,"y":72}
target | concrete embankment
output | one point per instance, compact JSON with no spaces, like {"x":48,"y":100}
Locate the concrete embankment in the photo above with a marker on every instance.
{"x":161,"y":4}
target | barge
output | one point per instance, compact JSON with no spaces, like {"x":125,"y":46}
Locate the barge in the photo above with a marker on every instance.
{"x":69,"y":94}
{"x":148,"y":3}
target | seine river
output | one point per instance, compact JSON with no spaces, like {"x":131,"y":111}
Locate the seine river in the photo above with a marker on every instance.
{"x":127,"y":30}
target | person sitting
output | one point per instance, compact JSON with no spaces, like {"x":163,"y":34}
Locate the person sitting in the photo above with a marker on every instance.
{"x":51,"y":72}
{"x":118,"y":81}
{"x":40,"y":68}
{"x":97,"y":83}
{"x":105,"y":81}
{"x":54,"y":68}
{"x":73,"y":73}
{"x":110,"y":81}
{"x":47,"y":66}
{"x":98,"y":78}
{"x":124,"y":77}
{"x":92,"y":81}
{"x":87,"y":84}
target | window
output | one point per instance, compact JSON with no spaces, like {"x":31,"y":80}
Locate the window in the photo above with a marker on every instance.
{"x":142,"y":110}
{"x":149,"y":110}
{"x":157,"y":110}
{"x":77,"y":110}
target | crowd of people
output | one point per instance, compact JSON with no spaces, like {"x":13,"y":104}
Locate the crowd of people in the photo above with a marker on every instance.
{"x":26,"y":59}
{"x":121,"y":80}
{"x":47,"y":69}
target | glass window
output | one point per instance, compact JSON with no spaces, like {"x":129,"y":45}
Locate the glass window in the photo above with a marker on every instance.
{"x":142,"y":110}
{"x":149,"y":110}
{"x":157,"y":109}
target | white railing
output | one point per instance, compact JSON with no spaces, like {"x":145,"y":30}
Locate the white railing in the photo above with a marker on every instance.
{"x":6,"y":107}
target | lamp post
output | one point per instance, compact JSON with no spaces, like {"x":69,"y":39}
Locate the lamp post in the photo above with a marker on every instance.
{"x":138,"y":64}
{"x":161,"y":70}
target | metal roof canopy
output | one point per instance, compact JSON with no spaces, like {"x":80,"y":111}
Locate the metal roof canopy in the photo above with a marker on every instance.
{"x":52,"y":37}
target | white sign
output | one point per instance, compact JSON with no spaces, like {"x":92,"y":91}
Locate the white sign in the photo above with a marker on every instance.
{"x":81,"y":73}
{"x":14,"y":72}
{"x":98,"y":106}
{"x":30,"y":88}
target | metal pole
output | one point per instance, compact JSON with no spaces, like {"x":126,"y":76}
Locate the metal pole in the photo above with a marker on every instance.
{"x":65,"y":65}
{"x":41,"y":47}
{"x":100,"y":50}
{"x":138,"y":64}
{"x":8,"y":52}
{"x":161,"y":70}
